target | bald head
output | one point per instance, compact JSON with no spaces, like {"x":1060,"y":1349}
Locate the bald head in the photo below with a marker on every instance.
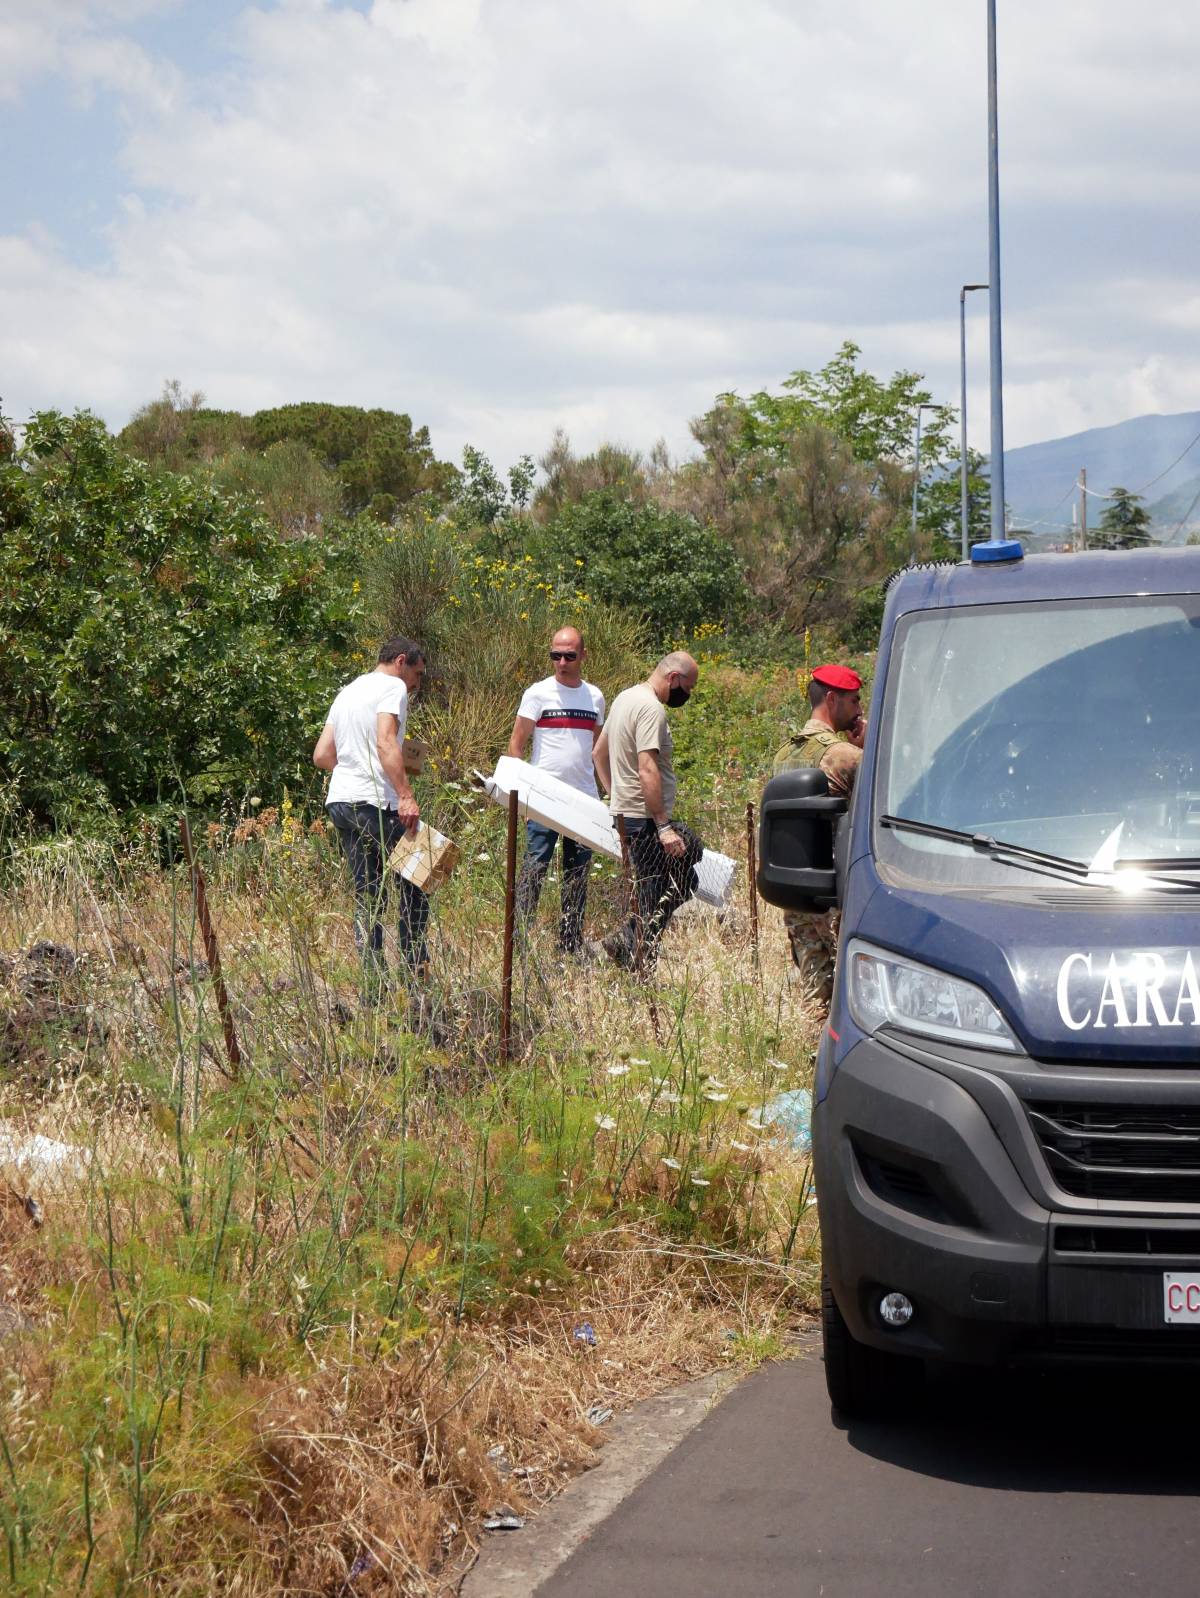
{"x":673,"y":679}
{"x":567,"y":645}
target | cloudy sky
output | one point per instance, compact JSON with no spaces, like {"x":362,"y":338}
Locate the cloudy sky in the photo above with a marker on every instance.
{"x":507,"y":215}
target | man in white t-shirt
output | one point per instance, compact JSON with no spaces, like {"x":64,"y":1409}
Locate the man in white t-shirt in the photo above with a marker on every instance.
{"x":371,"y":804}
{"x":563,"y":715}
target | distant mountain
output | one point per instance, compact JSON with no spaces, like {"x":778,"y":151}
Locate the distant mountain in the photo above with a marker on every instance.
{"x":1149,"y":455}
{"x":1177,"y":515}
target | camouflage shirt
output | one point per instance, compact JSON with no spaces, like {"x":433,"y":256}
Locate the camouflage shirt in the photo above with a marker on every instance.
{"x":816,"y":745}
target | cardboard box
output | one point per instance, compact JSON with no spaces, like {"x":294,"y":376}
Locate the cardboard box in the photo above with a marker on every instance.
{"x":415,"y":751}
{"x":425,"y":859}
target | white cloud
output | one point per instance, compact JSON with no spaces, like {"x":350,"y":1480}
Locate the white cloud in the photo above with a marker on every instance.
{"x":506,"y":214}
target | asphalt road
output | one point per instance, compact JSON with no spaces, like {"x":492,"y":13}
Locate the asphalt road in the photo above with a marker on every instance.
{"x":1025,"y":1486}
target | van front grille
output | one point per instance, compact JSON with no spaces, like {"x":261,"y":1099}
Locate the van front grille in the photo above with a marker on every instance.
{"x":1121,"y":1151}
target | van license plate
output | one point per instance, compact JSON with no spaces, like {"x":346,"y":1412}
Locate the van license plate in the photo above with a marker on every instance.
{"x":1181,"y":1299}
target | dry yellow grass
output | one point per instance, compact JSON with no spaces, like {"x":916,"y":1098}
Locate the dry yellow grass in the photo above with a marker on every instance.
{"x":270,"y":1330}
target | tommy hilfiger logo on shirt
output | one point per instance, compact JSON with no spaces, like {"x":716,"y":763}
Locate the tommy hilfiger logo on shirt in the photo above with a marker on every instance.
{"x":558,"y":717}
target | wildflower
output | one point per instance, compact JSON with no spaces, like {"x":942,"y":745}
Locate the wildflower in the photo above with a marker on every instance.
{"x":777,"y":1065}
{"x":717,"y":1098}
{"x":674,"y":1165}
{"x":255,"y":802}
{"x":618,"y":1070}
{"x":606,"y":1123}
{"x":700,"y":1181}
{"x":483,"y":856}
{"x":742,"y":1148}
{"x":639,"y":1062}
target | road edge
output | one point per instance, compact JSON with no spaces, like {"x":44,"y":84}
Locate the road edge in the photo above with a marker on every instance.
{"x":515,"y":1564}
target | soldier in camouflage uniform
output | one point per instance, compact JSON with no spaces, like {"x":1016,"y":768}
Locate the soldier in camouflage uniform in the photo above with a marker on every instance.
{"x":832,"y":739}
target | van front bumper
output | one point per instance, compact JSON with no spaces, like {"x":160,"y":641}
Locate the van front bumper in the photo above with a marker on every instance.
{"x":930,"y":1183}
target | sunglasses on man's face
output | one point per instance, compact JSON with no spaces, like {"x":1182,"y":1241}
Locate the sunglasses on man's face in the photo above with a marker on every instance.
{"x":564,"y":654}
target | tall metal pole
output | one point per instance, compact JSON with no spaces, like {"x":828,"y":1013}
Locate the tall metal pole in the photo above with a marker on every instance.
{"x":967,"y":288}
{"x":997,"y":355}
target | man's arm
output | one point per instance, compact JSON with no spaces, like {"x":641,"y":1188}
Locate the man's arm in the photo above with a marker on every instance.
{"x":325,"y":753}
{"x":391,"y":758}
{"x":521,"y":734}
{"x":651,"y":781}
{"x":840,"y":763}
{"x":600,"y":759}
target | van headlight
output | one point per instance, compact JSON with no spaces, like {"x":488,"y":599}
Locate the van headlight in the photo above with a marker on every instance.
{"x":887,"y":990}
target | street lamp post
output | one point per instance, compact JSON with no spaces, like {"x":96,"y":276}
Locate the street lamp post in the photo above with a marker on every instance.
{"x":967,"y":288}
{"x":999,"y":530}
{"x":912,"y":553}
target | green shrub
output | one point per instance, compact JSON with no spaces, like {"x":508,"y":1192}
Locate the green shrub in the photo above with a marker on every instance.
{"x":663,"y":565}
{"x":154,"y":635}
{"x":487,"y":625}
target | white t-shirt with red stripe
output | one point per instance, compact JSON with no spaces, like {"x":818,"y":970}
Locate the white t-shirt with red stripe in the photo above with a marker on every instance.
{"x":564,"y":723}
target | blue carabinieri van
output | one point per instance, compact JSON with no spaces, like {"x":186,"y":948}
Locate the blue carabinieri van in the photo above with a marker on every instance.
{"x":1006,"y":1127}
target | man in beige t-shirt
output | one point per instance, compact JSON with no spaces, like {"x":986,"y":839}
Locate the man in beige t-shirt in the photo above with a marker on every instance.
{"x":633,"y":757}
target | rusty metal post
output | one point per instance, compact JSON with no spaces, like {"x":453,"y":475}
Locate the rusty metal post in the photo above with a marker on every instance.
{"x":211,"y":952}
{"x":510,"y":920}
{"x":752,"y":874}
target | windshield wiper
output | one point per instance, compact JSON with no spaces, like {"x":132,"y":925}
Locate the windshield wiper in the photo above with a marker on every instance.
{"x":996,"y":848}
{"x":1177,"y":862}
{"x":1012,"y":854}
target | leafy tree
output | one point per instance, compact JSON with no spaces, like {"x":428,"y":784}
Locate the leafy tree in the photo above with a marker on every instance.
{"x":288,"y":483}
{"x":812,"y":525}
{"x":154,"y":633}
{"x":483,"y":499}
{"x":380,"y":461}
{"x":877,"y":420}
{"x":939,"y":507}
{"x":665,"y":565}
{"x":177,"y":433}
{"x":1125,"y":523}
{"x":626,"y":472}
{"x":814,"y":485}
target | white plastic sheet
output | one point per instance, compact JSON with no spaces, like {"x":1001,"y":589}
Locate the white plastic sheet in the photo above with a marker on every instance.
{"x":545,"y":798}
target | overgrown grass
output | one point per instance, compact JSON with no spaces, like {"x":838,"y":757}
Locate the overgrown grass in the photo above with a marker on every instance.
{"x":275,"y":1320}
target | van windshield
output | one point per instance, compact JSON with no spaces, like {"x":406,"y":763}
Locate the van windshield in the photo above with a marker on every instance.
{"x":1069,"y":727}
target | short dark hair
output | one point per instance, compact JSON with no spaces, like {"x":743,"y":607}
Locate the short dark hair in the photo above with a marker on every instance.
{"x":816,"y":693}
{"x":403,"y":649}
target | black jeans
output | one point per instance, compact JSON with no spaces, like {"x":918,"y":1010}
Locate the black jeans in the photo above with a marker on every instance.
{"x":368,"y":836}
{"x":540,"y":843}
{"x":661,"y":884}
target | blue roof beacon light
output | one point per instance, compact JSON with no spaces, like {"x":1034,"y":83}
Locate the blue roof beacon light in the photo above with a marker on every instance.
{"x":994,"y":551}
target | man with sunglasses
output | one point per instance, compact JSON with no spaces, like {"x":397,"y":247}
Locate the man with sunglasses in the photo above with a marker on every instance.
{"x":563,"y":716}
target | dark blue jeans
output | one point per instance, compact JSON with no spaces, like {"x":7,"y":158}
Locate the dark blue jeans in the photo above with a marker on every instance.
{"x":661,"y":884}
{"x":539,"y":851}
{"x":368,"y":836}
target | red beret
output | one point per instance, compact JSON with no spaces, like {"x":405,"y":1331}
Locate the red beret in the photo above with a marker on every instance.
{"x":840,"y":677}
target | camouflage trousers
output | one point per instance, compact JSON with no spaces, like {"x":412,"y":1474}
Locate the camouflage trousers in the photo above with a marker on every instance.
{"x":814,"y":940}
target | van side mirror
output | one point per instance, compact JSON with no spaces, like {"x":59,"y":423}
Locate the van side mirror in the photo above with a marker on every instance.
{"x":797,"y":826}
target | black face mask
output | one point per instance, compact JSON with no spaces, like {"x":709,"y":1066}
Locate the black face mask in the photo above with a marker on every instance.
{"x":678,"y":696}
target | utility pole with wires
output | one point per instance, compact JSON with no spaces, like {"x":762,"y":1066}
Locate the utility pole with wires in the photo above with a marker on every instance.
{"x":1083,"y":507}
